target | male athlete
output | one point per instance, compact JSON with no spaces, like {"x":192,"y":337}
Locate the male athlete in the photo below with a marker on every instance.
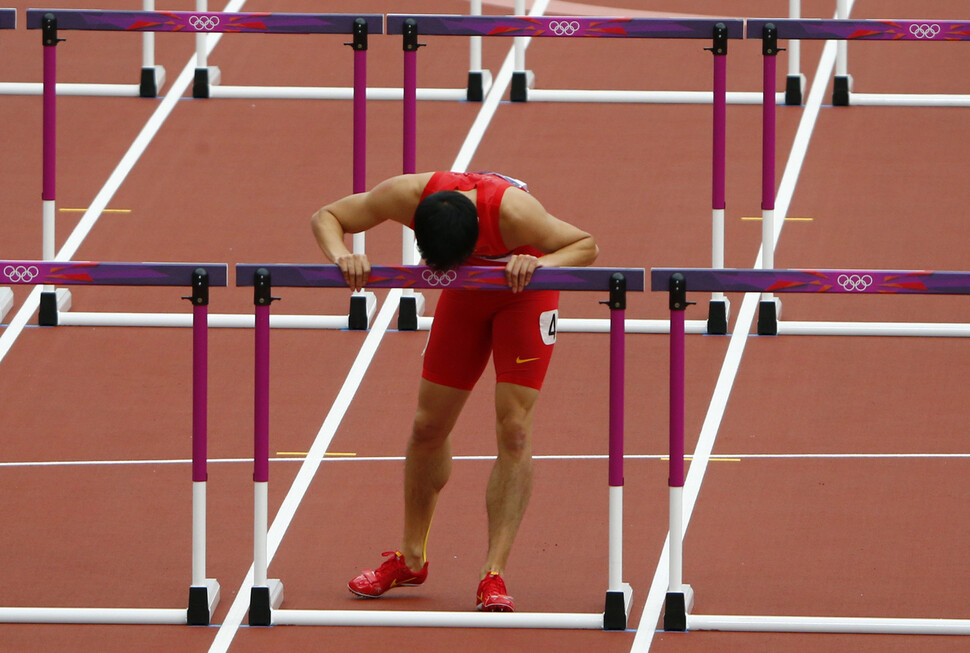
{"x":473,"y":219}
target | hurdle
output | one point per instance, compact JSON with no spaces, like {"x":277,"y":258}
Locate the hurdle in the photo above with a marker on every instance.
{"x":203,"y":592}
{"x":55,"y":304}
{"x":523,"y":80}
{"x":677,"y":283}
{"x":896,"y":30}
{"x":267,"y":594}
{"x":411,"y":26}
{"x":479,"y":80}
{"x":769,"y":31}
{"x":151,"y":80}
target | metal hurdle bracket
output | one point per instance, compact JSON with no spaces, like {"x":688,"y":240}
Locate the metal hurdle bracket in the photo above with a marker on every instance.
{"x":203,"y":592}
{"x":677,"y":283}
{"x":267,"y":595}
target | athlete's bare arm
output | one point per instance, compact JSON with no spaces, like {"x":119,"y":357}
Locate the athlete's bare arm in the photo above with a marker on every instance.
{"x":394,"y":199}
{"x":524,"y":221}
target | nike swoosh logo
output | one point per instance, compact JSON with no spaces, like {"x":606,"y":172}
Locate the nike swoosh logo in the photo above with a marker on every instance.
{"x":525,"y":360}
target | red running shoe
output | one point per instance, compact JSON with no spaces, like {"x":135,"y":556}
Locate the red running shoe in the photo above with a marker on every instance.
{"x":393,"y":573}
{"x":492,"y":596}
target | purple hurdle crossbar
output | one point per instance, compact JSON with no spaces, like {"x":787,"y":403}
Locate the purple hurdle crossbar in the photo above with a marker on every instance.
{"x":194,"y":22}
{"x":565,"y":26}
{"x":203,"y":592}
{"x":866,"y":30}
{"x":267,"y":594}
{"x":894,"y":282}
{"x":678,"y":281}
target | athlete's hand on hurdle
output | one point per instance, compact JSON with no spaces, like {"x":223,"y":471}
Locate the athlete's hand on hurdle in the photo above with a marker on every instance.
{"x":518,"y":271}
{"x":356,"y":270}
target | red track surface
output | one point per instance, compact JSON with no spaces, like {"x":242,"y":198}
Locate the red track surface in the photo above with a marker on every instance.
{"x":236,"y":181}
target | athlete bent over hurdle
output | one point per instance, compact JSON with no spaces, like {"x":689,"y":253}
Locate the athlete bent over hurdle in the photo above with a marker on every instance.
{"x":474,"y":219}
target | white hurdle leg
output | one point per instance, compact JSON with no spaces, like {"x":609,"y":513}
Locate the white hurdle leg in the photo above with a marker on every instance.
{"x":795,"y":84}
{"x":204,"y":592}
{"x":152,"y":76}
{"x":479,"y":81}
{"x":205,"y":75}
{"x":522,"y":79}
{"x":267,"y":594}
{"x":843,"y":80}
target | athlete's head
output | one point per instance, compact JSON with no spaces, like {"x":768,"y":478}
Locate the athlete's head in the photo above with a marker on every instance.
{"x":446,"y":229}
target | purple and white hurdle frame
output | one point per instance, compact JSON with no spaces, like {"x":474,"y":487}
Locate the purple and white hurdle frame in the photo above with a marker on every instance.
{"x":203,"y":592}
{"x":719,"y":31}
{"x":267,"y":593}
{"x":50,"y":22}
{"x":677,"y":283}
{"x":769,"y":31}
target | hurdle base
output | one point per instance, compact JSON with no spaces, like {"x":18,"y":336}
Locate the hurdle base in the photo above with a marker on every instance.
{"x":203,"y":600}
{"x":616,"y":612}
{"x":263,"y":600}
{"x":522,"y":81}
{"x":152,"y":79}
{"x":52,"y":303}
{"x":204,"y":78}
{"x":769,"y":312}
{"x":479,"y":83}
{"x":6,"y":302}
{"x":676,"y":608}
{"x":794,"y":90}
{"x":362,"y":307}
{"x":410,"y":309}
{"x":718,"y":312}
{"x":841,"y":90}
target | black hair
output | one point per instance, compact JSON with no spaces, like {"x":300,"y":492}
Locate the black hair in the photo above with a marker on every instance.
{"x":446,"y":229}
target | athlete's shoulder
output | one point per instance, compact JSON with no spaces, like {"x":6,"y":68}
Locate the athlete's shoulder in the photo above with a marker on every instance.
{"x":397,"y":197}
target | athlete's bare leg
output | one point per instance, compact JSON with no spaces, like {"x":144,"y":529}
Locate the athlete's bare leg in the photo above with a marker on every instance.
{"x":510,"y":484}
{"x":428,"y":464}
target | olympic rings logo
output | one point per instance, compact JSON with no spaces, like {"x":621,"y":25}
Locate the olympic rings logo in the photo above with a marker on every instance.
{"x":439,"y":278}
{"x":204,"y":23}
{"x":564,"y":27}
{"x":855,"y":282}
{"x":20,"y":273}
{"x":926,"y":31}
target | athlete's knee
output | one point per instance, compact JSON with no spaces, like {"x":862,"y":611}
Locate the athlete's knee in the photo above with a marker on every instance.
{"x":514,"y":434}
{"x":430,"y":429}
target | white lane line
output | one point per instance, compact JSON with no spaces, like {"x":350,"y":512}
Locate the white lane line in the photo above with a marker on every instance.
{"x":551,"y":457}
{"x":658,"y":588}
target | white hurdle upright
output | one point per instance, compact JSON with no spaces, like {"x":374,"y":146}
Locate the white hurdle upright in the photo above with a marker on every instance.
{"x":203,"y":592}
{"x":267,"y":594}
